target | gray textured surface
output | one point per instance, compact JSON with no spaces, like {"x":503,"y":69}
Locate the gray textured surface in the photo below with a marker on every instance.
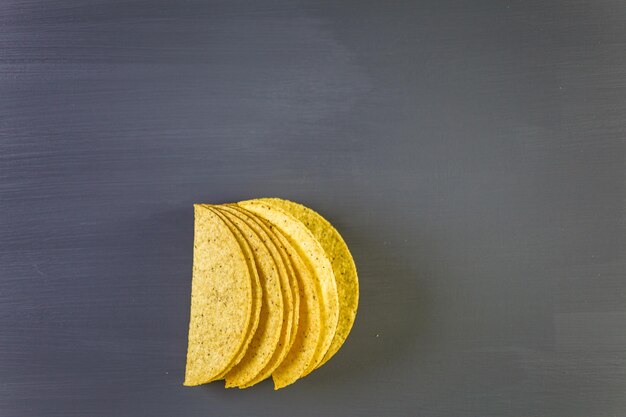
{"x":472,"y":153}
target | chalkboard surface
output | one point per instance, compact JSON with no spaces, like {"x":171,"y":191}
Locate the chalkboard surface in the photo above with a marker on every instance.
{"x":471,"y":153}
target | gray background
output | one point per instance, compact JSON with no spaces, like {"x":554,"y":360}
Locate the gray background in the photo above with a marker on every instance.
{"x":472,"y":154}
